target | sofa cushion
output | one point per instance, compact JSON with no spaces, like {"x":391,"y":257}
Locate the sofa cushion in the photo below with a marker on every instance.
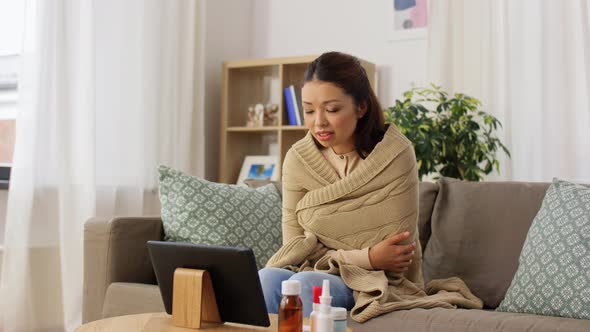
{"x":202,"y":212}
{"x":441,"y":320}
{"x":125,"y":298}
{"x":428,"y":191}
{"x":478,"y":230}
{"x":553,"y":276}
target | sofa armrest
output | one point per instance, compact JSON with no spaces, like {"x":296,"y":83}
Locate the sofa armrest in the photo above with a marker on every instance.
{"x":115,"y":251}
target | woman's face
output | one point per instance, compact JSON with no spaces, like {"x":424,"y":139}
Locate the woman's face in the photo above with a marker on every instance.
{"x":330,"y":115}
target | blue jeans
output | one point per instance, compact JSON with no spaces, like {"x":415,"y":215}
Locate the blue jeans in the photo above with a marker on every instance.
{"x":271,"y":279}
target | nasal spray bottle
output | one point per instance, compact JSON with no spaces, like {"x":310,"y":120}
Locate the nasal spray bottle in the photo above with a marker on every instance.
{"x":317,"y":292}
{"x":324,"y":321}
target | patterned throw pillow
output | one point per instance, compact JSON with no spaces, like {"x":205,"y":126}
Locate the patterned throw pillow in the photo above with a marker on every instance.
{"x":255,"y":183}
{"x":553,"y":276}
{"x":202,"y":212}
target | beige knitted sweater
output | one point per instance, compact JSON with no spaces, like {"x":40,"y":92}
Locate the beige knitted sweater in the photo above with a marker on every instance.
{"x":377,"y":200}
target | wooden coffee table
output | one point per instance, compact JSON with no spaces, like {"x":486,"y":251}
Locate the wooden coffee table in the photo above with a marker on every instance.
{"x":162,"y":322}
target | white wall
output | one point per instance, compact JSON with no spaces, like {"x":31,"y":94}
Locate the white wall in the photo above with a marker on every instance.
{"x":288,"y":28}
{"x":228,"y":37}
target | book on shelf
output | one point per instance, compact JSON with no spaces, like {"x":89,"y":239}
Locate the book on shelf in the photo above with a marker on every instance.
{"x":297,"y":104}
{"x":290,"y":103}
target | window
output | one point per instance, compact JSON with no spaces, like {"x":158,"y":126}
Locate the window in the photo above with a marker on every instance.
{"x":8,"y":106}
{"x":11,"y":38}
{"x":4,"y":177}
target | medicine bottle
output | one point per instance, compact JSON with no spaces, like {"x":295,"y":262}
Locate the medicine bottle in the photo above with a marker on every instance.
{"x":324,"y":321}
{"x":291,"y":307}
{"x":316,"y":292}
{"x":339,"y":317}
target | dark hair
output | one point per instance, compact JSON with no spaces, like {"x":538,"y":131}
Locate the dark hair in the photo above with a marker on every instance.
{"x":346,"y":72}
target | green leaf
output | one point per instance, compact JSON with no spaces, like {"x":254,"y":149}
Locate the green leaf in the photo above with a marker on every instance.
{"x":455,"y":137}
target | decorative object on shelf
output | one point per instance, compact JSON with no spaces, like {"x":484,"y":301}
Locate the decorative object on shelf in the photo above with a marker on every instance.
{"x":271,"y":113}
{"x":260,"y":168}
{"x":406,"y":19}
{"x":255,"y":115}
{"x":453,"y":138}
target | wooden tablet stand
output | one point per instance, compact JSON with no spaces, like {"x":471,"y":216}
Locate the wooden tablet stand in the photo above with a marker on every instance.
{"x":193,"y":299}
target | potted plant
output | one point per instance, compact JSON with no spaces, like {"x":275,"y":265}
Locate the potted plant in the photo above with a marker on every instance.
{"x":451,"y":136}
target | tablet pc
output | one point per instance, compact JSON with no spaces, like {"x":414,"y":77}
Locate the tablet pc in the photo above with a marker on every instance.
{"x":233,"y":273}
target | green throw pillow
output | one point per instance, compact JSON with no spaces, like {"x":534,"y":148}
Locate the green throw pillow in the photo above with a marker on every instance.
{"x":553,"y":276}
{"x":202,"y":212}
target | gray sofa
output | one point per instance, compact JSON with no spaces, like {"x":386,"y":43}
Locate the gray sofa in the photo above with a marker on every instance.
{"x":472,"y":230}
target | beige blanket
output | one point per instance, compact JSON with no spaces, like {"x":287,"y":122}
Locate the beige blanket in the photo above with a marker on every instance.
{"x":375,"y":201}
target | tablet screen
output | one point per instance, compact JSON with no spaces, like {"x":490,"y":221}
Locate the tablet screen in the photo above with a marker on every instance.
{"x":233,"y":273}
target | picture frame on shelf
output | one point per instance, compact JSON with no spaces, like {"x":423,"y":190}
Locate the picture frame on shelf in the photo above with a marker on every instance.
{"x":259,"y":168}
{"x":406,"y":19}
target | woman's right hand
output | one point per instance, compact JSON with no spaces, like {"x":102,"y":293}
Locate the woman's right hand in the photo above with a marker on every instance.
{"x":389,"y":256}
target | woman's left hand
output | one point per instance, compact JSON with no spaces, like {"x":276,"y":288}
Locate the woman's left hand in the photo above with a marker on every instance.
{"x":388,"y":255}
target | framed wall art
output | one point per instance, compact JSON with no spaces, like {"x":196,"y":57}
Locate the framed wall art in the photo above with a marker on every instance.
{"x":259,"y":168}
{"x":406,"y":19}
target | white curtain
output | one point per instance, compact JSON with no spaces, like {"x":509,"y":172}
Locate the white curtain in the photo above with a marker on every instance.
{"x":108,"y":90}
{"x":528,"y":61}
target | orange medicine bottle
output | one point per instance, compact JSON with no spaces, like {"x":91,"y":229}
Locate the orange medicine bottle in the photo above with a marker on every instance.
{"x":291,"y":307}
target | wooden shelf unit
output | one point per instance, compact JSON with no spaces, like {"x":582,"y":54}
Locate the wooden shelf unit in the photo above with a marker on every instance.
{"x":248,"y":82}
